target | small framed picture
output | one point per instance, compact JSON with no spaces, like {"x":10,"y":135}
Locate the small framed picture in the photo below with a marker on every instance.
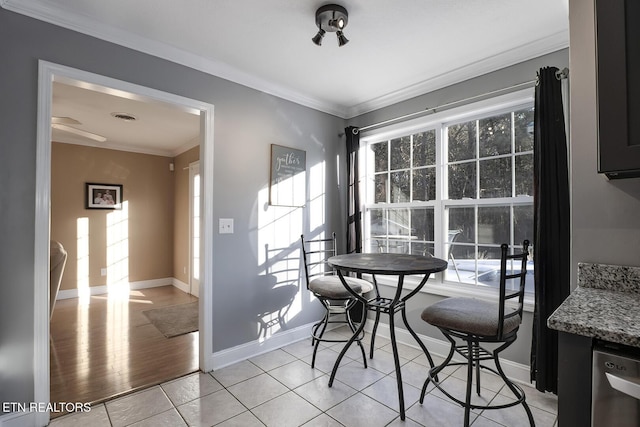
{"x":103,"y":196}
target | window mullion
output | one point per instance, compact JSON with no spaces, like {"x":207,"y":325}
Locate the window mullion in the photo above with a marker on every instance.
{"x":513,"y":156}
{"x":477,"y":153}
{"x":441,"y":192}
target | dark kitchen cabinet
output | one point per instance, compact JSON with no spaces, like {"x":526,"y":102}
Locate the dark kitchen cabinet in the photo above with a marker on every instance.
{"x":618,"y":82}
{"x":574,"y":379}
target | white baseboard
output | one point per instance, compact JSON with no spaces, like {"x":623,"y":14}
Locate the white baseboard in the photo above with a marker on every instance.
{"x":251,"y":349}
{"x":184,"y":287}
{"x":20,"y":419}
{"x":516,"y":371}
{"x":101,"y":290}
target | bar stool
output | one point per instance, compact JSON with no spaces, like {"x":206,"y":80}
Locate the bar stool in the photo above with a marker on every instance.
{"x":325,"y":285}
{"x":476,"y":321}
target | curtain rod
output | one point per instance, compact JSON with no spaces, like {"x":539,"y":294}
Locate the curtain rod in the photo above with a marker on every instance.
{"x":560,"y":74}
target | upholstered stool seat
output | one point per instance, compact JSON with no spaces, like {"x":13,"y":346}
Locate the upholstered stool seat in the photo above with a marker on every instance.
{"x":475,"y":316}
{"x":475,"y":321}
{"x":332,"y":287}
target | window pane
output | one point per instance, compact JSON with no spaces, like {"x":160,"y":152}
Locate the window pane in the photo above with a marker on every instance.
{"x":424,"y":184}
{"x":420,"y":248}
{"x":462,"y":141}
{"x":380,"y":156}
{"x":463,"y":219}
{"x":378,"y":223}
{"x":422,"y":224}
{"x":401,"y":153}
{"x":523,"y":123}
{"x":494,"y":224}
{"x":489,"y":266}
{"x":462,"y":181}
{"x":381,"y":188}
{"x":459,"y":250}
{"x":424,"y":148}
{"x":398,"y":222}
{"x":495,"y":135}
{"x":390,"y":230}
{"x":400,"y":187}
{"x":522,"y":224}
{"x":524,"y":175}
{"x":495,"y":178}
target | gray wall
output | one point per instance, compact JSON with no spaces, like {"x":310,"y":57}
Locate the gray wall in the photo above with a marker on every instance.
{"x":246,"y":123}
{"x":520,"y":351}
{"x":605,"y":221}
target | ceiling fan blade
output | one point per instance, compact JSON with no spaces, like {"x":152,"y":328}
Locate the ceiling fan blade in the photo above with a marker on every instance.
{"x":65,"y":121}
{"x":78,"y":132}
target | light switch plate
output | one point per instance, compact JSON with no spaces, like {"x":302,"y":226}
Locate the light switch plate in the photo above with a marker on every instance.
{"x":225,"y":225}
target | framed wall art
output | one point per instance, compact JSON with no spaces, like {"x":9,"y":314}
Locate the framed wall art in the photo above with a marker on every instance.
{"x":103,"y":196}
{"x":288,"y":184}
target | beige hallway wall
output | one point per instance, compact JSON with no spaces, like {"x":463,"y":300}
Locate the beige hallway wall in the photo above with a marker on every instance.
{"x":148,"y":188}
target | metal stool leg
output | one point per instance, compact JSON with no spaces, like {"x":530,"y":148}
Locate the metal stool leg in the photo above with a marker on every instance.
{"x":518,"y":393}
{"x":324,"y":322}
{"x":353,"y":330}
{"x":470,"y":363}
{"x":344,"y":351}
{"x":373,"y":333}
{"x":396,"y":360}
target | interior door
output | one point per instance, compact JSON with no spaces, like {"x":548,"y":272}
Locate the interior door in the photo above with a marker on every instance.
{"x":194,"y":227}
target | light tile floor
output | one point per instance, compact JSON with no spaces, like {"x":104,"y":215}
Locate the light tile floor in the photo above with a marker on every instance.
{"x":281,"y":389}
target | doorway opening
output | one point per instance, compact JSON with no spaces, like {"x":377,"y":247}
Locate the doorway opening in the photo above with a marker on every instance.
{"x":48,"y":74}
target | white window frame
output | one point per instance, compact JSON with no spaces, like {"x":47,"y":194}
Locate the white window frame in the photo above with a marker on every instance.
{"x":439,"y":120}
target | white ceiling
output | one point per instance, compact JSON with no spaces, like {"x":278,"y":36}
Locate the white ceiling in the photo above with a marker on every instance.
{"x":160,"y":128}
{"x":398,"y":49}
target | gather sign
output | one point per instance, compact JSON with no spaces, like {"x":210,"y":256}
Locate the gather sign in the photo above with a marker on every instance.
{"x":288,"y":176}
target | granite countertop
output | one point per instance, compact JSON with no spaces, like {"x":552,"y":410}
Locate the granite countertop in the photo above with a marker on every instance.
{"x":605,"y":305}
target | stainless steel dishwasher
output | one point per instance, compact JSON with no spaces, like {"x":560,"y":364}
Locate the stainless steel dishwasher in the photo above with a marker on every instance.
{"x":615,"y":390}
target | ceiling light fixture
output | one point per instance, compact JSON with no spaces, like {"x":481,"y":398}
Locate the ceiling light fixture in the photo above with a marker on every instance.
{"x":331,"y":18}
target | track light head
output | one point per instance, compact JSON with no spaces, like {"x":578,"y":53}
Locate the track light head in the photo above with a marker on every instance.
{"x":342,"y":40}
{"x":317,"y":39}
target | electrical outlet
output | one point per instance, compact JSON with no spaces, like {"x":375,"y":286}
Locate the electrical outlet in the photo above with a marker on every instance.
{"x":103,"y":271}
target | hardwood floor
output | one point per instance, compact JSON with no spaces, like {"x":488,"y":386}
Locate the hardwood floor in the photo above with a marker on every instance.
{"x":107,"y":347}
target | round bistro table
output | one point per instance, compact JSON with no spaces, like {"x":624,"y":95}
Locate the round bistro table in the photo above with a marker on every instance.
{"x":388,"y":264}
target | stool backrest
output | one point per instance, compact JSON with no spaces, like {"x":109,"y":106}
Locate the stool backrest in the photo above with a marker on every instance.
{"x":509,"y":273}
{"x":315,"y":254}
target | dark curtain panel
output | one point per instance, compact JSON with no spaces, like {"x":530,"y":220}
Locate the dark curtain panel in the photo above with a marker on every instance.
{"x":551,"y":225}
{"x":354,"y":217}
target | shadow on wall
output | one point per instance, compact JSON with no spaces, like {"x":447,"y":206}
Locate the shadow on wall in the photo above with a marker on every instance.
{"x":277,"y":290}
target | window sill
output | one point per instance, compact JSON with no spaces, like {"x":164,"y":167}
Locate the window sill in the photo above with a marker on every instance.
{"x":436,"y":286}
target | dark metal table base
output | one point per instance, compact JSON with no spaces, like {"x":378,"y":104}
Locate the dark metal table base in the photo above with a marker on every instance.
{"x":391,"y":307}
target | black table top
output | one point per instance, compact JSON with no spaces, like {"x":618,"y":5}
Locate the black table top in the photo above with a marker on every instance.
{"x":388,"y":263}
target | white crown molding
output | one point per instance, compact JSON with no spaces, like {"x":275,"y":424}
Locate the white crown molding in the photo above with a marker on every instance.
{"x":505,"y":59}
{"x":129,"y":148}
{"x":117,"y":147}
{"x":44,"y":12}
{"x":186,"y":147}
